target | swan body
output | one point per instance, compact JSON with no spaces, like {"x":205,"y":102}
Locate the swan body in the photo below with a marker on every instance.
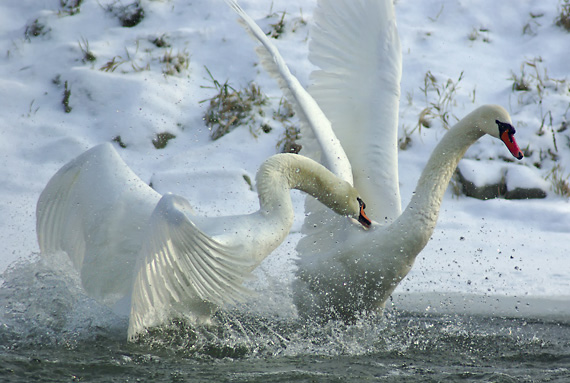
{"x":358,"y":276}
{"x":343,"y":273}
{"x":149,"y":252}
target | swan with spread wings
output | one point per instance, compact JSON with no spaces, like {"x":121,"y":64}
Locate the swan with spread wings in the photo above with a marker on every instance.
{"x":149,"y":255}
{"x":351,"y":110}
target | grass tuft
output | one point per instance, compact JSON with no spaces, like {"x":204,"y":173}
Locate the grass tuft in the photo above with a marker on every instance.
{"x":129,"y":15}
{"x":278,"y":28}
{"x":520,"y":83}
{"x":141,"y":60}
{"x":162,"y":139}
{"x":88,"y":55}
{"x":161,"y":41}
{"x":535,"y":85}
{"x":559,"y":181}
{"x":247,"y":180}
{"x":405,"y":141}
{"x":175,"y":63}
{"x":35,"y":29}
{"x":530,"y":27}
{"x":477,"y":33}
{"x":563,"y":18}
{"x":287,"y":143}
{"x":444,"y":100}
{"x":66,"y":95}
{"x":230,"y":107}
{"x":119,"y":141}
{"x":69,"y":7}
{"x":112,"y":64}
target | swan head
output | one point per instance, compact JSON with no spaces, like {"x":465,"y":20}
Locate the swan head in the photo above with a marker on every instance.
{"x":343,"y":198}
{"x":346,"y":201}
{"x":285,"y":171}
{"x":362,"y":218}
{"x":496,"y":121}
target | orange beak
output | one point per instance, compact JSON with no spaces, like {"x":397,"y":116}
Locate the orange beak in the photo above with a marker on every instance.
{"x":362,"y":218}
{"x":507,"y":135}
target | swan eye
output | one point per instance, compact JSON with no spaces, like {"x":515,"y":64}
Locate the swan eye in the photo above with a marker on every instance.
{"x":505,"y":128}
{"x":361,"y":203}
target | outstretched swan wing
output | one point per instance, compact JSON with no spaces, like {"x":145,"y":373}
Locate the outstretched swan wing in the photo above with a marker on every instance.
{"x":355,"y":44}
{"x":96,"y":209}
{"x":305,"y":106}
{"x":182,"y":268}
{"x":357,"y":89}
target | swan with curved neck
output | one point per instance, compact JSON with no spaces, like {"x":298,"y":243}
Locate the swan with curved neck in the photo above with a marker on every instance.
{"x":362,"y":276}
{"x":357,"y":87}
{"x":150,"y":256}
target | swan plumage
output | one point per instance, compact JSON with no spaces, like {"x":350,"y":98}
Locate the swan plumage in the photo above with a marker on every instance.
{"x":149,"y":252}
{"x":355,"y":45}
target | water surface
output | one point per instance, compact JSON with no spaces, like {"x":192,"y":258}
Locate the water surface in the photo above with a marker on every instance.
{"x":51,"y":332}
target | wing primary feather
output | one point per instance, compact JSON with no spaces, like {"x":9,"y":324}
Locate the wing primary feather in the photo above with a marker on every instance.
{"x":198,"y":266}
{"x":337,"y":161}
{"x":356,"y":47}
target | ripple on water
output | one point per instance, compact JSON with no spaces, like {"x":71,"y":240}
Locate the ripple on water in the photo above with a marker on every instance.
{"x":51,"y":331}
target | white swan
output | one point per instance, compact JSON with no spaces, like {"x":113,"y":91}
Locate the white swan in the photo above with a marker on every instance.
{"x":343,"y":273}
{"x":129,"y":243}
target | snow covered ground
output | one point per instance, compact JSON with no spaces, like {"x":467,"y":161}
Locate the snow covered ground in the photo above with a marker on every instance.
{"x":477,"y":52}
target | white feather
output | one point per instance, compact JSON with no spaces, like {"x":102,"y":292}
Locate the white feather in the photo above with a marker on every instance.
{"x":356,"y":46}
{"x":344,"y":272}
{"x":151,"y":254}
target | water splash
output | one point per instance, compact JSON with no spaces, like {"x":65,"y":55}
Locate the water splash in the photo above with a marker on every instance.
{"x":42,"y":305}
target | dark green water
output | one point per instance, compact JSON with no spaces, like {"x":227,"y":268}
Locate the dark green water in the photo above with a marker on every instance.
{"x":50,"y":332}
{"x":401,"y":348}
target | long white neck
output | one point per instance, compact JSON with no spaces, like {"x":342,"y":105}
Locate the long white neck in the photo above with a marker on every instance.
{"x":417,"y":222}
{"x":283,"y":172}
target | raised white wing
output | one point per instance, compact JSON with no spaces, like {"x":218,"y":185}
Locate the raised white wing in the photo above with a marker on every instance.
{"x":182,"y":271}
{"x":355,"y":44}
{"x":124,"y":238}
{"x":305,"y":106}
{"x":357,"y":88}
{"x":96,"y":210}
